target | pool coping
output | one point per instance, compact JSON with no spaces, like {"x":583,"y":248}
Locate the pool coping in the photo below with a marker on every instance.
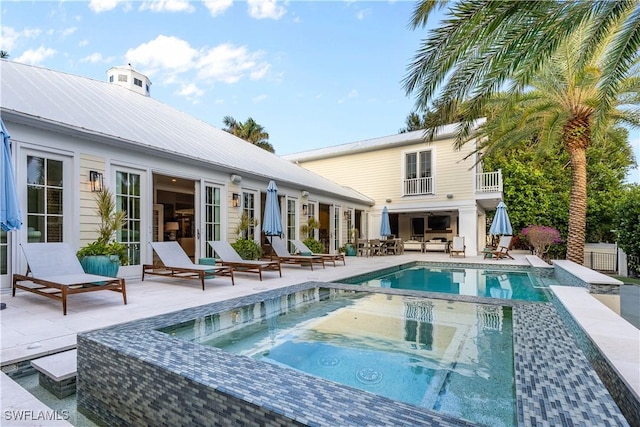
{"x":551,"y":386}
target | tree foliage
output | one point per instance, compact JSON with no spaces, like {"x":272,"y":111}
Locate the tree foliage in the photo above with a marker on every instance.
{"x":560,"y":94}
{"x":537,"y":185}
{"x":250,"y":131}
{"x":628,"y":225}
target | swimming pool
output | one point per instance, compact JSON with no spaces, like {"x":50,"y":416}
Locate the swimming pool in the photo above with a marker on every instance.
{"x":470,"y":281}
{"x":450,"y":357}
{"x":133,"y":374}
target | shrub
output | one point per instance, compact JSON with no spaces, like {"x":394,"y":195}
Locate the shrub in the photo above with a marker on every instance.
{"x":541,"y":238}
{"x":247,"y":249}
{"x":315,"y":246}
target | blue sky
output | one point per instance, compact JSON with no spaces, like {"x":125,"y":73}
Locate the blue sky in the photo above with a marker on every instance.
{"x":313,"y":73}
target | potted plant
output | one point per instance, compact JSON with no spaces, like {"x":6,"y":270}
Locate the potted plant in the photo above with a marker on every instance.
{"x":246,"y":248}
{"x":308,"y":230}
{"x":105,"y":255}
{"x":351,"y":248}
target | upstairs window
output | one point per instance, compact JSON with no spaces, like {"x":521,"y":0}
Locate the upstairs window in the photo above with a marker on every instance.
{"x":418,"y":165}
{"x":418,"y":173}
{"x":137,"y":82}
{"x":122,"y":78}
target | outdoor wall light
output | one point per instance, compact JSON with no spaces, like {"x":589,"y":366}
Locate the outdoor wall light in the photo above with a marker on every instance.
{"x":305,"y":193}
{"x":96,"y":180}
{"x":347,"y":214}
{"x":449,"y":196}
{"x":388,"y":200}
{"x":305,"y":210}
{"x":235,"y":200}
{"x":236,"y":179}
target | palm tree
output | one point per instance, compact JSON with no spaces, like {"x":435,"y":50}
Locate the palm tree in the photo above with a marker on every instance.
{"x":485,"y":47}
{"x":4,"y":54}
{"x":249,"y":131}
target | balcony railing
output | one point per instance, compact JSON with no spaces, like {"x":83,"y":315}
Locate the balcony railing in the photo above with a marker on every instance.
{"x":489,"y":182}
{"x":417,"y":186}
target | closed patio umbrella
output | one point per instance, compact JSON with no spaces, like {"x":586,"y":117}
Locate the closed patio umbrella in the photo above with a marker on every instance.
{"x":501,"y":224}
{"x":9,"y":206}
{"x":385,"y":226}
{"x":272,"y":222}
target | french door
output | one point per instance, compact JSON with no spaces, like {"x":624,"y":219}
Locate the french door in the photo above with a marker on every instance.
{"x":211,"y":222}
{"x":130,"y":193}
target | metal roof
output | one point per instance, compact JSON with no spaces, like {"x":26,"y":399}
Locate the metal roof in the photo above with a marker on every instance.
{"x":443,"y":132}
{"x":100,"y":109}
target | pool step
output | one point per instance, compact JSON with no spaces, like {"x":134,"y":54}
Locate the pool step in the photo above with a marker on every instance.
{"x":57,"y":373}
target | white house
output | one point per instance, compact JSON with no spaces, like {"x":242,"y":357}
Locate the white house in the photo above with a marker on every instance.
{"x":164,"y":166}
{"x":433,"y":192}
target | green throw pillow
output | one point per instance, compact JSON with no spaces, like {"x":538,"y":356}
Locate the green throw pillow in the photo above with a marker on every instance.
{"x":306,"y":253}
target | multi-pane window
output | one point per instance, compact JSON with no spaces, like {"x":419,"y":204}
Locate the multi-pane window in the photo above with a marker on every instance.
{"x":137,"y":82}
{"x":122,"y":78}
{"x":128,"y":199}
{"x":249,"y":207}
{"x":44,"y":199}
{"x":411,"y":169}
{"x":212,"y":217}
{"x":418,"y":165}
{"x":418,"y":172}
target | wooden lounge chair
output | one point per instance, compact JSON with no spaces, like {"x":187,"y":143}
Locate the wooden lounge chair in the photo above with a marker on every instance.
{"x":304,"y":250}
{"x":55,"y":272}
{"x":457,"y":246}
{"x":502,"y":251}
{"x":282,"y":254}
{"x":229,"y":256}
{"x":176,"y":263}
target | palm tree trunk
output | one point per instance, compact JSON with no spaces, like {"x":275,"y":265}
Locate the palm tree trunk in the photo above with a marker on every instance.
{"x":577,"y":134}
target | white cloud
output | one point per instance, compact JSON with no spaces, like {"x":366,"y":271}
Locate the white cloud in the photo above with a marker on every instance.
{"x":9,"y":37}
{"x":216,"y":7}
{"x":83,"y":43}
{"x":229,"y":64}
{"x":167,"y":6}
{"x":97,"y":58}
{"x":35,"y":57}
{"x":69,"y":31}
{"x":261,"y":9}
{"x":260,"y":71}
{"x":99,"y":6}
{"x":190,"y":91}
{"x":258,"y":99}
{"x":163,"y":52}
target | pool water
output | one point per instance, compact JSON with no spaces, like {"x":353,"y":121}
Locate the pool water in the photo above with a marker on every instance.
{"x":518,"y":285}
{"x":451,"y":357}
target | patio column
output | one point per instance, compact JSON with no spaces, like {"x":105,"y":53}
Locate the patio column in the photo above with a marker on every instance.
{"x":467,"y":227}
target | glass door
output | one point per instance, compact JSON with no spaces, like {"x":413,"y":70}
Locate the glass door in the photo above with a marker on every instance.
{"x":128,"y":194}
{"x":211,"y":209}
{"x":336,"y":230}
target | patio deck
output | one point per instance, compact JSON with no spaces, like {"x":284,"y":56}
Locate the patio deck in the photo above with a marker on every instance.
{"x":33,"y":326}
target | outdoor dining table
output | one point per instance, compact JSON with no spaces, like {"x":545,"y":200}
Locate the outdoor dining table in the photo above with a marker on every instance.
{"x":378,"y":246}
